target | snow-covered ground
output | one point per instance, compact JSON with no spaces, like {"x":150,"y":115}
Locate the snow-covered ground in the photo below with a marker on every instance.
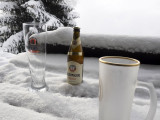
{"x":62,"y":101}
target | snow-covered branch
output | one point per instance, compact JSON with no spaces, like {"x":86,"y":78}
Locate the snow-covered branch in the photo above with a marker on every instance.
{"x":8,"y":6}
{"x":55,"y":13}
{"x":13,"y":43}
{"x":37,"y":11}
{"x":4,"y":29}
{"x":6,"y":18}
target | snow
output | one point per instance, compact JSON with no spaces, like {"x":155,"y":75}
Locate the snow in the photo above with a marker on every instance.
{"x":63,"y":36}
{"x":12,"y":43}
{"x":3,"y":29}
{"x":70,"y":3}
{"x":11,"y":113}
{"x":5,"y":57}
{"x":37,"y":10}
{"x":8,"y":6}
{"x":63,"y":101}
{"x":6,"y":17}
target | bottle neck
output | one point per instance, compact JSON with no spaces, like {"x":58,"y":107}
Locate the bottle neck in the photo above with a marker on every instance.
{"x":76,"y":35}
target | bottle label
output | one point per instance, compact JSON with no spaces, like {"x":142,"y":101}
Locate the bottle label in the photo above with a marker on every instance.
{"x":76,"y":43}
{"x":74,"y":72}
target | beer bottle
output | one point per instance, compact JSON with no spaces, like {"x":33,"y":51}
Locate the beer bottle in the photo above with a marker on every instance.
{"x":75,"y":59}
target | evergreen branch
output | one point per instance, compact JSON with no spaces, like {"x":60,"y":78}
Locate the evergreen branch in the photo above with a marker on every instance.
{"x":3,"y":29}
{"x":55,"y":13}
{"x":4,"y":19}
{"x":38,"y":13}
{"x":8,"y":6}
{"x":12,"y":44}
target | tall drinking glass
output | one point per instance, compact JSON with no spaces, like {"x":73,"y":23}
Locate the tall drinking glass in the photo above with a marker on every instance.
{"x":36,"y":53}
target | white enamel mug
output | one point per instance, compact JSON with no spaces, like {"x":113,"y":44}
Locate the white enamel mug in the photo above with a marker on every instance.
{"x":118,"y":81}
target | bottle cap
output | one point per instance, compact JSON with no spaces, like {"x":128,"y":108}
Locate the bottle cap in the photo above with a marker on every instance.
{"x":76,"y":29}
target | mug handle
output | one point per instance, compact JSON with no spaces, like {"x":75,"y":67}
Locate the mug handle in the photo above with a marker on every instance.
{"x":153,"y":98}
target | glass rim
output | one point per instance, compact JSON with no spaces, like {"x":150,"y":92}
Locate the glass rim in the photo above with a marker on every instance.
{"x":120,"y":64}
{"x":34,"y":23}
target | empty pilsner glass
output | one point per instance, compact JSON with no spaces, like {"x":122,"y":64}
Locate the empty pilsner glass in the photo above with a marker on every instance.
{"x":36,"y":53}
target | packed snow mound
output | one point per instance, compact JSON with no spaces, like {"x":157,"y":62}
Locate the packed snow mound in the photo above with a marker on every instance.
{"x":9,"y":112}
{"x":63,"y":36}
{"x":63,"y":101}
{"x":5,"y":57}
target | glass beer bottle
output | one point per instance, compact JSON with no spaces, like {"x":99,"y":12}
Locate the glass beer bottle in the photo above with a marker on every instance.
{"x":75,"y":59}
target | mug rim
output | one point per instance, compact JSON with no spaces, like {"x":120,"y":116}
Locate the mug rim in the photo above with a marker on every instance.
{"x":119,"y":64}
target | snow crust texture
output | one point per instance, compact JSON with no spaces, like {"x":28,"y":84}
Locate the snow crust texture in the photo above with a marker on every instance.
{"x":63,"y":101}
{"x":63,"y":36}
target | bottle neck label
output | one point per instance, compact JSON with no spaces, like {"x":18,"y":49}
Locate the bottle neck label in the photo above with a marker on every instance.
{"x":76,"y":43}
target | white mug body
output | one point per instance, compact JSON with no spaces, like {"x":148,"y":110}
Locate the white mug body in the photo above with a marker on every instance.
{"x":117,"y":87}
